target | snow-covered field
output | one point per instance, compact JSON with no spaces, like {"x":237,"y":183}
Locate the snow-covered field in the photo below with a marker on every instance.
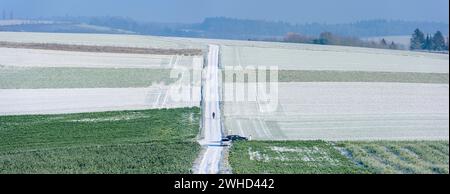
{"x":328,"y":58}
{"x":347,"y":111}
{"x":55,"y":101}
{"x":53,"y":58}
{"x":244,"y":53}
{"x":98,"y":40}
{"x":331,"y":111}
{"x":74,"y":99}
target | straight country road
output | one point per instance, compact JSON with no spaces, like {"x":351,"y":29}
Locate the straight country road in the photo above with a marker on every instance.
{"x":210,"y":161}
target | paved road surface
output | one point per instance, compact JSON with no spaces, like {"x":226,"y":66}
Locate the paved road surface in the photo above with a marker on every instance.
{"x":210,"y":161}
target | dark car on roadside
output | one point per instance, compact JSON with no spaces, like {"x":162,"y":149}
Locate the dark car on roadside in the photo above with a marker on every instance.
{"x":234,"y":138}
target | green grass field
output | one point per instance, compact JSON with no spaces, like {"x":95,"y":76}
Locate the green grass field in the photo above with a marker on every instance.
{"x":407,"y":157}
{"x":62,"y":77}
{"x":293,"y":157}
{"x":361,"y":76}
{"x":149,"y":141}
{"x":319,"y":157}
{"x":352,"y":76}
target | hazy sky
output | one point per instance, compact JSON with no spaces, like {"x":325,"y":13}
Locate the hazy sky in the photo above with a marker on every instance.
{"x":294,"y":11}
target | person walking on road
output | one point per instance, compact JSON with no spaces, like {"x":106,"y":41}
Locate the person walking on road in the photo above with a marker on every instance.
{"x":214,"y":115}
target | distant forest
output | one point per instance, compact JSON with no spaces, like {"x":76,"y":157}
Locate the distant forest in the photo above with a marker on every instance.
{"x":228,"y":28}
{"x":418,"y":41}
{"x":350,"y":34}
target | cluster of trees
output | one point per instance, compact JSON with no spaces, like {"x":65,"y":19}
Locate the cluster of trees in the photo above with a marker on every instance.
{"x":435,"y":42}
{"x":384,"y":44}
{"x":328,"y":38}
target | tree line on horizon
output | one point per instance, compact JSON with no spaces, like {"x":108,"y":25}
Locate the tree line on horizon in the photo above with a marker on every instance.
{"x":243,"y":29}
{"x":328,"y":38}
{"x":436,"y":42}
{"x":239,"y":29}
{"x":419,"y":41}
